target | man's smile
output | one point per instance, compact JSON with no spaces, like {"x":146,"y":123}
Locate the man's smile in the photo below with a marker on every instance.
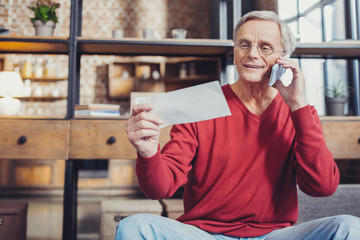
{"x":252,"y":66}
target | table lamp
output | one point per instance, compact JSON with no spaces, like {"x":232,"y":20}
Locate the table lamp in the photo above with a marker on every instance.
{"x":11,"y":86}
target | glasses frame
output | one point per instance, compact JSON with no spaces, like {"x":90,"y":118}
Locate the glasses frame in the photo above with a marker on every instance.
{"x":258,"y":49}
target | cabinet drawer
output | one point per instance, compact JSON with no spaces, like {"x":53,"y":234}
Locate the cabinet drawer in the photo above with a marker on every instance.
{"x":99,"y":139}
{"x":343,"y":138}
{"x":34,"y":139}
{"x":102,"y":139}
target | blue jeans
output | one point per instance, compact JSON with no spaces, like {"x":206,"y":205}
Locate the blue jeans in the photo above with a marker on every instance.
{"x":152,"y":227}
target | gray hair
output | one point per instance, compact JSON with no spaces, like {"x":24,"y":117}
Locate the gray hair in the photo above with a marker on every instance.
{"x":287,"y":37}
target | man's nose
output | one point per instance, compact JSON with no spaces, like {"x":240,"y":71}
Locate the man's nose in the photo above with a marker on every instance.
{"x":254,"y":51}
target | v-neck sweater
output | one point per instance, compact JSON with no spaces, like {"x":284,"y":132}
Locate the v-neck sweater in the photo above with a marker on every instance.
{"x":241,"y":171}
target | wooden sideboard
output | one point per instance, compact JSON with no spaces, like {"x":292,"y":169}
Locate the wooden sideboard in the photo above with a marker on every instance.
{"x":40,"y":146}
{"x":106,"y":138}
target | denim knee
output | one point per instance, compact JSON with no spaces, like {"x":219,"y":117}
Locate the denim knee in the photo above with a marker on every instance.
{"x":347,"y":226}
{"x":132,"y":227}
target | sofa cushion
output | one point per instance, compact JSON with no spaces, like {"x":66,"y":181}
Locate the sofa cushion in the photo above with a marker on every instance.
{"x":346,"y":200}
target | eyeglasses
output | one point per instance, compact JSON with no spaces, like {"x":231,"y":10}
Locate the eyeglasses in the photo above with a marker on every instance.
{"x":263,"y":48}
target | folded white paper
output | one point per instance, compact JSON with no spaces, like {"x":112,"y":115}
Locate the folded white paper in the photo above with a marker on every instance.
{"x":276,"y":72}
{"x":192,"y":104}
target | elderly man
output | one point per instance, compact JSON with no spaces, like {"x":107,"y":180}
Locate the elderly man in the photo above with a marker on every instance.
{"x":241,"y":171}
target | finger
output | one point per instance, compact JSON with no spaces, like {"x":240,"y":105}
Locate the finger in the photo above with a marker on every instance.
{"x":143,"y":120}
{"x":149,"y":117}
{"x":288,"y":63}
{"x":295,"y":68}
{"x":143,"y":124}
{"x":137,"y":108}
{"x":143,"y":134}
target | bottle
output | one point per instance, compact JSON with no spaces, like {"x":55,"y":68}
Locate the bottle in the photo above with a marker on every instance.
{"x":16,"y":66}
{"x":27,"y":68}
{"x":39,"y":70}
{"x":50,"y":71}
{"x":182,"y":72}
{"x":27,"y":88}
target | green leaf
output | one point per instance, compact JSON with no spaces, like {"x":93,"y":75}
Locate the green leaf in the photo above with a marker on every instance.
{"x":44,"y":11}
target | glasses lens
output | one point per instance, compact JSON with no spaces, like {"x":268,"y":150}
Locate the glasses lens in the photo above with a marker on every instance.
{"x":265,"y":50}
{"x":244,"y":45}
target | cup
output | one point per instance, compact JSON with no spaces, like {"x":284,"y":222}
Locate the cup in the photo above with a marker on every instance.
{"x":148,"y":33}
{"x":179,"y":33}
{"x":118,"y":33}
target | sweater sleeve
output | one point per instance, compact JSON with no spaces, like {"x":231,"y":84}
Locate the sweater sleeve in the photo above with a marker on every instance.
{"x":161,"y":175}
{"x":316,"y":171}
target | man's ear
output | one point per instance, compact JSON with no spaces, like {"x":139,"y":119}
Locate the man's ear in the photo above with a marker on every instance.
{"x":234,"y":55}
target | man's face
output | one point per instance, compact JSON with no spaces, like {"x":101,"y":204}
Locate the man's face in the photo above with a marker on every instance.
{"x":252,"y":65}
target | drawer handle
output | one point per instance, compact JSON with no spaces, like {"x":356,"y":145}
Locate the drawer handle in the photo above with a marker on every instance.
{"x":111,"y":140}
{"x":22,"y":140}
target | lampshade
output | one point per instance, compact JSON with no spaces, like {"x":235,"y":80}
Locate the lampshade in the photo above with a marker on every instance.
{"x":11,"y":84}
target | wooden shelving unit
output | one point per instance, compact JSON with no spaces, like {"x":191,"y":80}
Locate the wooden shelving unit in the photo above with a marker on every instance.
{"x":164,"y":47}
{"x":193,"y":78}
{"x":35,"y":45}
{"x":159,"y":74}
{"x":74,"y":46}
{"x":340,"y":49}
{"x":43,"y":98}
{"x":45,"y":79}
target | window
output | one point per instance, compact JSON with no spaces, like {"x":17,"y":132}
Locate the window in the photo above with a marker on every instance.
{"x":318,"y":21}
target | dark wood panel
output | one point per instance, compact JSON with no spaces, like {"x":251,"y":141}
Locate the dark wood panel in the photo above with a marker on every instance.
{"x":339,"y":49}
{"x":40,"y":45}
{"x":134,"y":46}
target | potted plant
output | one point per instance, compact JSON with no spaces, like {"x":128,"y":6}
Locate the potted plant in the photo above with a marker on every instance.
{"x":336,"y":98}
{"x":45,"y":17}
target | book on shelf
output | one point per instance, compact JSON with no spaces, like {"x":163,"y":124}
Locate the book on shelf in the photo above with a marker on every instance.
{"x":98,"y":106}
{"x":97,"y":113}
{"x":98,"y":110}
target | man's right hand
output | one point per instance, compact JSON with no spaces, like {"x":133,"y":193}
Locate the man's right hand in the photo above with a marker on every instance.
{"x":143,"y":130}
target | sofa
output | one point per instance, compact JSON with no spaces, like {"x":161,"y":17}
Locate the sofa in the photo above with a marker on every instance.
{"x":345,"y":200}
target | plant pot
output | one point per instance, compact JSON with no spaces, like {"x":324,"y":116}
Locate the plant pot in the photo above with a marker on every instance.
{"x":335,"y":106}
{"x":44,"y":29}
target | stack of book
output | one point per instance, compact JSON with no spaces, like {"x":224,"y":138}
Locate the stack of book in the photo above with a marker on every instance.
{"x":98,"y":110}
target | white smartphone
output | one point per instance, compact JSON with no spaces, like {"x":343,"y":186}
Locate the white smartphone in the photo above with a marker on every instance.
{"x":276,"y":72}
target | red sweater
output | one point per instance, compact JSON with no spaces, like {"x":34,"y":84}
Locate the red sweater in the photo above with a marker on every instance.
{"x":241,"y":171}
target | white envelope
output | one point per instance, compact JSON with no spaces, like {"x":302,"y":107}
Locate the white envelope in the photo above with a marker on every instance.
{"x":192,"y":104}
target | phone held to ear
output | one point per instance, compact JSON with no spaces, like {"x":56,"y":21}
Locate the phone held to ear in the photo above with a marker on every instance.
{"x":276,"y":72}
